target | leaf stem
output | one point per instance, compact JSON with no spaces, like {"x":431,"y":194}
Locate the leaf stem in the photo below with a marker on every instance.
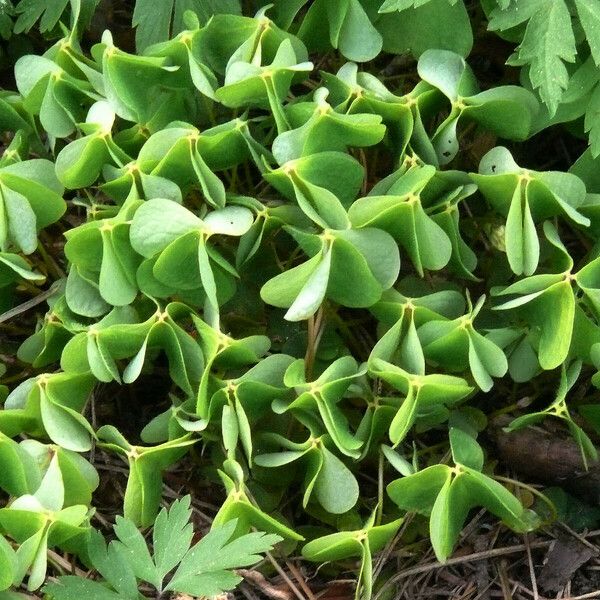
{"x":379,"y":514}
{"x":315,"y":331}
{"x":531,"y":490}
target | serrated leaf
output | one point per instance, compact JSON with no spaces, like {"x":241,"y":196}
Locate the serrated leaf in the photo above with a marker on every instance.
{"x":48,"y":12}
{"x":202,"y":567}
{"x":132,"y":548}
{"x":592,"y":121}
{"x":589,"y":15}
{"x":109,"y":563}
{"x":71,"y":587}
{"x":172,"y":536}
{"x":548,"y":43}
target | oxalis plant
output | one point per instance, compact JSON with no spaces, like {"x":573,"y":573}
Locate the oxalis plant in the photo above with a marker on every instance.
{"x":334,"y":290}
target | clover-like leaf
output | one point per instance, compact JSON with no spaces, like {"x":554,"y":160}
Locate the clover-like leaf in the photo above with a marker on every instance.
{"x":323,"y":395}
{"x":400,"y":212}
{"x":325,"y":129}
{"x":184,"y":239}
{"x":31,"y":198}
{"x":457,"y":344}
{"x":360,"y":544}
{"x":239,"y":507}
{"x":56,"y":96}
{"x":55,"y":402}
{"x":508,"y":111}
{"x":350,"y":266}
{"x":331,"y":482}
{"x":248,"y":84}
{"x":527,"y":197}
{"x":549,"y":301}
{"x":146,"y":464}
{"x":420,"y":391}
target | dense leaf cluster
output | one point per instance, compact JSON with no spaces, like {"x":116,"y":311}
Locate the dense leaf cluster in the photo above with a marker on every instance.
{"x":296,"y":250}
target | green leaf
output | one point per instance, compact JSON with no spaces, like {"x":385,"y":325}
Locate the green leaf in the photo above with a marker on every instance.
{"x":232,"y":220}
{"x":447,"y":518}
{"x":172,"y":536}
{"x":444,"y":70}
{"x":110,"y":564}
{"x":201,"y":570}
{"x":151,"y":233}
{"x":589,"y":16}
{"x":336,"y":487}
{"x":417,"y":30}
{"x":405,"y":418}
{"x":230,"y":430}
{"x":336,"y":546}
{"x":351,"y":31}
{"x":522,"y":244}
{"x":51,"y":492}
{"x":465,"y":450}
{"x":556,"y":321}
{"x":133,"y":550}
{"x":31,"y":11}
{"x":419,"y":491}
{"x":153,"y":22}
{"x":547,"y":44}
{"x":8,"y":564}
{"x":592,"y":114}
{"x":486,"y":360}
{"x":484,"y":491}
{"x":302,"y":288}
{"x":392,"y":5}
{"x":327,"y":130}
{"x":19,"y":474}
{"x":79,"y":163}
{"x":397,"y":461}
{"x":71,"y":587}
{"x":83,"y":296}
{"x":347,"y":544}
{"x":22,"y":226}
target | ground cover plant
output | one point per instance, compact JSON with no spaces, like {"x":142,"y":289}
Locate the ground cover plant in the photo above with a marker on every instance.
{"x":272,"y":274}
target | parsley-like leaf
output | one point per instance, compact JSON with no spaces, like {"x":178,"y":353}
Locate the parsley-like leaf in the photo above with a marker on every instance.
{"x":133,"y":549}
{"x":108,"y":562}
{"x":75,"y":588}
{"x":592,"y":121}
{"x":589,"y":15}
{"x":508,"y":15}
{"x":204,"y":568}
{"x":173,"y":535}
{"x":549,"y":40}
{"x":397,"y":5}
{"x":48,"y":12}
{"x":548,"y":43}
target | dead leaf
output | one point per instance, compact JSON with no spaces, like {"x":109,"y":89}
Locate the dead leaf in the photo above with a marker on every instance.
{"x":563,"y":559}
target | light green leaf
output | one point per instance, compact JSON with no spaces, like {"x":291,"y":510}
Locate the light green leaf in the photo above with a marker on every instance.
{"x":336,"y":487}
{"x":151,"y":232}
{"x":447,"y":518}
